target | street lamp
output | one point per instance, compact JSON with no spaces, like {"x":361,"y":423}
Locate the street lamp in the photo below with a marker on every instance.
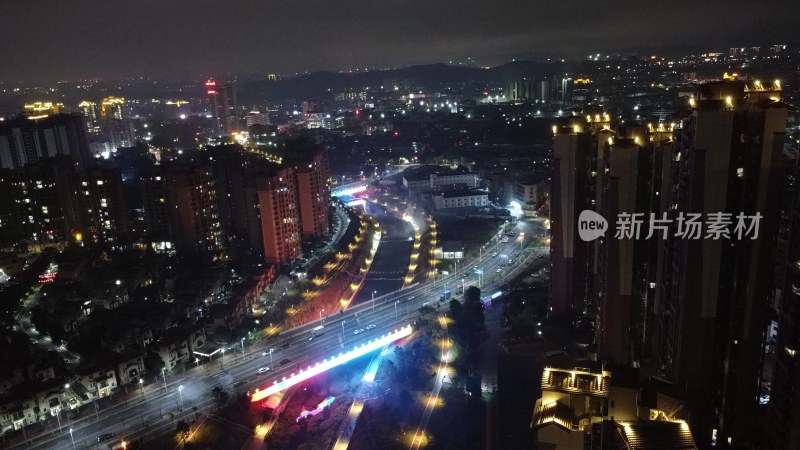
{"x":373,"y":300}
{"x":164,"y":377}
{"x":320,"y":313}
{"x":141,"y":385}
{"x":72,"y":438}
{"x":270,"y":357}
{"x":222,"y":361}
{"x":242,"y":341}
{"x":396,"y":316}
{"x":180,"y":395}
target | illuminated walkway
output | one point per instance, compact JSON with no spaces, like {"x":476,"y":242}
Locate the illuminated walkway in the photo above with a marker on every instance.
{"x":364,"y":391}
{"x":419,"y":438}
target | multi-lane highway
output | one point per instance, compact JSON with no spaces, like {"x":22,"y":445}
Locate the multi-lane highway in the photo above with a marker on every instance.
{"x":292,"y":350}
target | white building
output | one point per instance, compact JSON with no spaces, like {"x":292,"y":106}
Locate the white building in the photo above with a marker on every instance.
{"x":469,"y":180}
{"x":445,"y":179}
{"x":460,"y":199}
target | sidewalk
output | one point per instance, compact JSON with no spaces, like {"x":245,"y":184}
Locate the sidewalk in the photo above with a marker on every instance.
{"x":364,"y":392}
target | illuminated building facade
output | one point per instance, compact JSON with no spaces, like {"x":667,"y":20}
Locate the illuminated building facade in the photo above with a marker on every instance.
{"x":91,"y":114}
{"x":44,"y":207}
{"x":104,"y":206}
{"x":42,"y":108}
{"x":314,"y":193}
{"x":112,"y":108}
{"x":222,"y":102}
{"x":280,"y":220}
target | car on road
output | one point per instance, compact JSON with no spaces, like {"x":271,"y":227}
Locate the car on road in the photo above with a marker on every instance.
{"x":265,"y":353}
{"x":410,"y":297}
{"x":285,"y":346}
{"x":315,"y":336}
{"x":371,"y":326}
{"x":285,"y":361}
{"x":494,"y":255}
{"x":358,"y":331}
{"x":263,"y":370}
{"x":505,"y":239}
{"x":499,"y":270}
{"x":104,"y":437}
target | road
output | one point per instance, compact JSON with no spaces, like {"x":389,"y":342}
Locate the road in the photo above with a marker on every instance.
{"x":150,"y":413}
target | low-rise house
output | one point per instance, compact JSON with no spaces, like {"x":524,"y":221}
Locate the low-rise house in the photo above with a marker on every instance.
{"x":129,"y":366}
{"x":98,"y":380}
{"x":450,"y":250}
{"x":10,"y":377}
{"x":172,"y":348}
{"x":17,"y":409}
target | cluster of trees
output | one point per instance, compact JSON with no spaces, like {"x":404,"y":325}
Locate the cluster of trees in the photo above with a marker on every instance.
{"x":467,"y":331}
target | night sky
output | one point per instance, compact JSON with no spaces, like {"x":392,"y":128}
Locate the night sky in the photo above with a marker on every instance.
{"x":71,"y":39}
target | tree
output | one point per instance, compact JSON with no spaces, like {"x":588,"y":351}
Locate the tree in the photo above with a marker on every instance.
{"x":153,"y":363}
{"x":183,"y":430}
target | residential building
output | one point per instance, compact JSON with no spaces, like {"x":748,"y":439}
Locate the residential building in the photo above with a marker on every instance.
{"x":106,"y":216}
{"x":280,"y":220}
{"x":97,"y":380}
{"x":28,"y":139}
{"x":529,"y":193}
{"x":112,"y":108}
{"x":91,"y":115}
{"x":314,"y":193}
{"x":712,"y":292}
{"x":623,"y":264}
{"x":157,"y":205}
{"x":45,"y":208}
{"x":42,"y":108}
{"x":172,"y":348}
{"x":197,"y":223}
{"x":576,"y":150}
{"x":783,"y":430}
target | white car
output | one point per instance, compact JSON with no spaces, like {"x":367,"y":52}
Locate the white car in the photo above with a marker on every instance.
{"x":358,"y":331}
{"x":494,"y":254}
{"x":499,"y":270}
{"x":370,"y":326}
{"x":263,"y":370}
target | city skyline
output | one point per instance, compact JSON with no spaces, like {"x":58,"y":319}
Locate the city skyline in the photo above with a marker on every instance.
{"x":458,"y":225}
{"x":131,"y":39}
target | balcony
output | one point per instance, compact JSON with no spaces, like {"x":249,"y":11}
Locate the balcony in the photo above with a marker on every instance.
{"x":576,"y":381}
